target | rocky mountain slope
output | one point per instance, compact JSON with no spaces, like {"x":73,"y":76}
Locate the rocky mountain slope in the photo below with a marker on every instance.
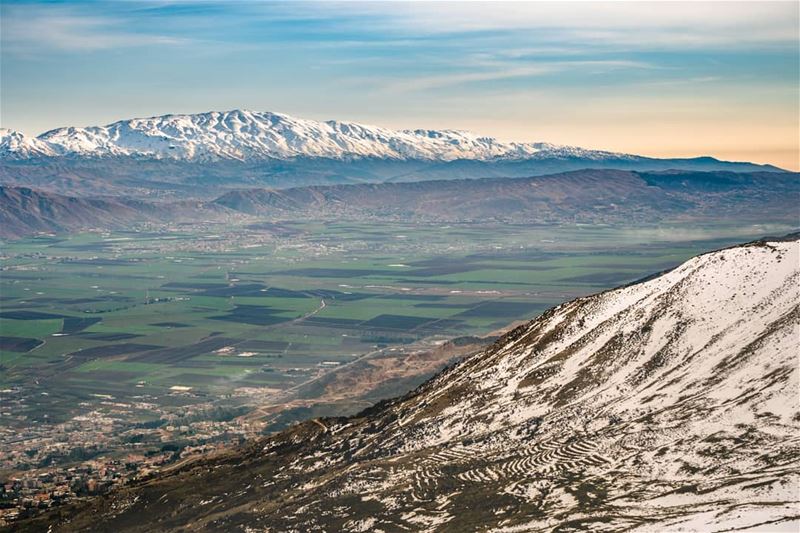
{"x":668,"y":405}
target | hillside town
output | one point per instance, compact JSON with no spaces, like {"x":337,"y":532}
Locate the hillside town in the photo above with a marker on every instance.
{"x":46,"y":464}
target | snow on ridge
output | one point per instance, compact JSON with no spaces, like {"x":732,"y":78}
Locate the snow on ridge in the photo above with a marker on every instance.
{"x":690,"y":320}
{"x":667,"y":405}
{"x":635,"y":387}
{"x":13,"y":142}
{"x":242,"y":135}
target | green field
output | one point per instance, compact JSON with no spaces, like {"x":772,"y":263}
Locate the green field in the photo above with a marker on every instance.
{"x":133,"y":315}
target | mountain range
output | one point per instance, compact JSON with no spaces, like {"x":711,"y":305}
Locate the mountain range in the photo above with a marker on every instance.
{"x":203,"y":154}
{"x":25,"y":212}
{"x":666,"y":405}
{"x":242,"y":135}
{"x":605,"y":196}
{"x":586,"y":196}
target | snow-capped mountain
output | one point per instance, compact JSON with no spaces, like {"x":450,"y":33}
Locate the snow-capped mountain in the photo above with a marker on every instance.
{"x":244,"y":135}
{"x":205,"y":154}
{"x":668,"y":405}
{"x":15,"y":144}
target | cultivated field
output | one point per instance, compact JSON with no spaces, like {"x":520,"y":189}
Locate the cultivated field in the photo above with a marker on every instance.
{"x":172,"y":318}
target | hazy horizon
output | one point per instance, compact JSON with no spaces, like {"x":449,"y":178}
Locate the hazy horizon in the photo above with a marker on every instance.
{"x":661,"y":80}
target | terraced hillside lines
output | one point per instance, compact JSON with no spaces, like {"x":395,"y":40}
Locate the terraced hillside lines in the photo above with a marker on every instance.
{"x":468,"y":466}
{"x":573,"y":456}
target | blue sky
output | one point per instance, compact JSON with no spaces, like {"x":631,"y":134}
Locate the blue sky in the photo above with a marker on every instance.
{"x":665,"y":79}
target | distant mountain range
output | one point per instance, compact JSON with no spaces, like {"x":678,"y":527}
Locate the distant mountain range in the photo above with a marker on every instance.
{"x":667,"y":405}
{"x":203,"y":154}
{"x":25,"y":212}
{"x":247,"y":135}
{"x":586,"y":196}
{"x":580,"y":196}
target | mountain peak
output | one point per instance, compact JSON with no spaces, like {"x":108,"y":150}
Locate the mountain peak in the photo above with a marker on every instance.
{"x":241,"y":134}
{"x":14,"y":143}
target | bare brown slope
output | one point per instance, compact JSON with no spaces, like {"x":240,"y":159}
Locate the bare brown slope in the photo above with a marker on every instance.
{"x":586,"y":195}
{"x":24,"y":211}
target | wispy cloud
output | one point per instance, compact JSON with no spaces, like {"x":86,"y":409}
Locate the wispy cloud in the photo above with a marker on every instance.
{"x":654,"y":24}
{"x":423,"y":83}
{"x":485,"y":70}
{"x":36,"y":28}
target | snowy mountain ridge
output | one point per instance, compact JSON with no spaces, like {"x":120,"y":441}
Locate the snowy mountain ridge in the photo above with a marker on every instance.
{"x":244,"y":135}
{"x":667,"y":405}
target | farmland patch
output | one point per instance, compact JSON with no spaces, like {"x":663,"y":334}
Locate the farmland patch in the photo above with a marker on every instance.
{"x":18,"y":344}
